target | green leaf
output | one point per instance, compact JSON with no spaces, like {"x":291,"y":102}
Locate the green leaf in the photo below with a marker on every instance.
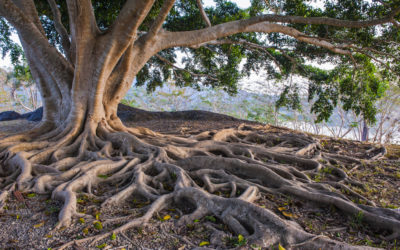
{"x":241,"y":238}
{"x":204,"y":243}
{"x":31,"y":195}
{"x":98,"y":225}
{"x":113,"y":236}
{"x":102,"y":246}
{"x":211,"y":218}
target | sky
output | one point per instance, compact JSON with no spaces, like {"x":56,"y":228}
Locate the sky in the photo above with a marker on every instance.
{"x":5,"y":62}
{"x":240,"y":3}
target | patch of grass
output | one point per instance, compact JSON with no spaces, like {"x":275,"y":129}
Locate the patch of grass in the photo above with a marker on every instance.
{"x":173,"y":176}
{"x":237,"y":241}
{"x":357,"y":220}
{"x":52,"y":209}
{"x":85,"y":230}
{"x":98,"y":225}
{"x":326,"y":170}
{"x":101,"y":246}
{"x":386,"y":205}
{"x":31,"y":195}
{"x":317,"y":178}
{"x":211,"y":218}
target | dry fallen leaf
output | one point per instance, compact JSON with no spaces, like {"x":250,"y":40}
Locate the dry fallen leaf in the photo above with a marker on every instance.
{"x":41,"y":224}
{"x":19,"y":196}
{"x":287,"y":214}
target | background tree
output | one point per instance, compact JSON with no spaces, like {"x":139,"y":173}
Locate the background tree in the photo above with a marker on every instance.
{"x":20,"y":79}
{"x":388,"y":124}
{"x":4,"y":96}
{"x":84,"y":55}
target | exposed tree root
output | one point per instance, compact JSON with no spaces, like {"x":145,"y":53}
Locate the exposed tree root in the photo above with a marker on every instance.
{"x":168,"y":170}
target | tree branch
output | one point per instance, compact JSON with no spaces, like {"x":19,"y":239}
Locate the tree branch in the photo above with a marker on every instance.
{"x":123,"y":32}
{"x":16,"y":99}
{"x":121,"y":72}
{"x":83,"y":26}
{"x":62,"y":31}
{"x":130,"y":18}
{"x":29,"y":9}
{"x":190,"y":38}
{"x":36,"y":42}
{"x":157,"y":24}
{"x":203,"y":13}
{"x":130,"y":63}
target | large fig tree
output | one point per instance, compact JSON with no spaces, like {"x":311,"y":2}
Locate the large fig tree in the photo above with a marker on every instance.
{"x":84,"y":56}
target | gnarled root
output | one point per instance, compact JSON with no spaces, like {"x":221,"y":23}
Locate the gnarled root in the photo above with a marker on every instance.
{"x":243,"y":163}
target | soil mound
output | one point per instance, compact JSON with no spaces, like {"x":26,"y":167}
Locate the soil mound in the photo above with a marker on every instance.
{"x":131,"y":114}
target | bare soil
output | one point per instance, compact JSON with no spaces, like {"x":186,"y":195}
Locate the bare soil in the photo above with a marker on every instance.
{"x":29,"y":221}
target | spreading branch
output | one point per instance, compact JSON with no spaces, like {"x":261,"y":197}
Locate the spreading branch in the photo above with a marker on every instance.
{"x":29,"y":9}
{"x":203,"y":13}
{"x":129,"y":19}
{"x":66,"y":44}
{"x":36,"y":42}
{"x":83,"y":24}
{"x":157,"y":24}
{"x":190,"y":38}
{"x":123,"y":31}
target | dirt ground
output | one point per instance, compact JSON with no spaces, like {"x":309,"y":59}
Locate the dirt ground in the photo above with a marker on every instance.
{"x":29,"y":220}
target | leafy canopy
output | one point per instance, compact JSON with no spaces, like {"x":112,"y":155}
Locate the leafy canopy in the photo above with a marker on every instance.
{"x":357,"y":81}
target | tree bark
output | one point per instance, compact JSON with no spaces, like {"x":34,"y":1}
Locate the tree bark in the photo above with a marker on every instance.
{"x":365,"y":131}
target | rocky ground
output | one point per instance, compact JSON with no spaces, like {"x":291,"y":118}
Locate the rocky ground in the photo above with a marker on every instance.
{"x":29,"y":220}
